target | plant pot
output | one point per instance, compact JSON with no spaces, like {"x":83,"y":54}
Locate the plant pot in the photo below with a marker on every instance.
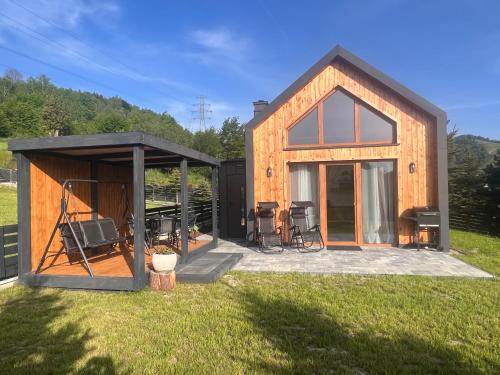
{"x":164,"y":262}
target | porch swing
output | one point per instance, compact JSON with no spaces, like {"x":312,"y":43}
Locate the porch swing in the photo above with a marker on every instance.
{"x":80,"y":235}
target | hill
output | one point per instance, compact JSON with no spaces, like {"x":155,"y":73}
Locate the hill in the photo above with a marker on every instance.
{"x":479,"y":149}
{"x":35,"y":107}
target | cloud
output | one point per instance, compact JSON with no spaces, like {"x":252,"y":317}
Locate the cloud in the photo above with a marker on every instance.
{"x":32,"y":23}
{"x":224,"y":50}
{"x":221,"y":41}
{"x":45,"y":14}
{"x":477,"y":105}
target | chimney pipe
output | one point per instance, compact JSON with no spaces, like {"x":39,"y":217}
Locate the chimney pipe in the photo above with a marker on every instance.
{"x":259,"y":106}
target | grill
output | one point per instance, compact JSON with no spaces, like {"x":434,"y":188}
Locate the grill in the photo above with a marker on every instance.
{"x":426,"y":219}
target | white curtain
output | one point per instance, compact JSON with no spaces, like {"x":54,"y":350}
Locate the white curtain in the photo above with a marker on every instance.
{"x":304,"y":186}
{"x":377,"y":185}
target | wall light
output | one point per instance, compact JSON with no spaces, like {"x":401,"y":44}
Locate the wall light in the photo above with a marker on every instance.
{"x":412,"y":167}
{"x":269,"y":172}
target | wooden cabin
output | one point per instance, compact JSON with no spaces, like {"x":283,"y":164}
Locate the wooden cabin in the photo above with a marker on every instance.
{"x":362,"y":147}
{"x":93,"y":181}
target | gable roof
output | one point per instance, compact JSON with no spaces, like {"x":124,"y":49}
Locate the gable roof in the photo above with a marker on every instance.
{"x":342,"y":53}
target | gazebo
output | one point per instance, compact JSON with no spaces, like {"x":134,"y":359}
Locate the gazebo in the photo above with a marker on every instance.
{"x":93,"y":180}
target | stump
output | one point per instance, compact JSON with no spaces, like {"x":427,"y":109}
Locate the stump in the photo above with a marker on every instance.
{"x":161,"y":280}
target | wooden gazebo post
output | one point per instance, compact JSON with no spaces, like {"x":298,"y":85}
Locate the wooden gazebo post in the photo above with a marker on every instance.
{"x":215,"y":190}
{"x":139,"y":225}
{"x":184,"y":212}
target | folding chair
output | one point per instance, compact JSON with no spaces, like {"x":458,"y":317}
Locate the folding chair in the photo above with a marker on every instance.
{"x":267,"y":234}
{"x":302,"y":234}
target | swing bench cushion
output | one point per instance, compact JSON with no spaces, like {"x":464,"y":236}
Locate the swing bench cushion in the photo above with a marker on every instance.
{"x":90,"y":234}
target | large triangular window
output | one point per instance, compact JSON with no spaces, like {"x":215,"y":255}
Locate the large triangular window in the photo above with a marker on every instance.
{"x":342,"y":119}
{"x":305,"y":131}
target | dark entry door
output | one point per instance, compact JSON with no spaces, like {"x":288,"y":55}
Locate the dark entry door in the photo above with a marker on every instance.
{"x":232,"y":199}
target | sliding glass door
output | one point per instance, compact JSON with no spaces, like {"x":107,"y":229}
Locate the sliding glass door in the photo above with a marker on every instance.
{"x":359,"y":202}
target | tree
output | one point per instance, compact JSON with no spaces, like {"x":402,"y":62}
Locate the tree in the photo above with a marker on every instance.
{"x":21,"y":116}
{"x":110,"y":122}
{"x":492,"y":172}
{"x":54,"y":116}
{"x":232,"y":139}
{"x":13,"y":75}
{"x":207,"y":142}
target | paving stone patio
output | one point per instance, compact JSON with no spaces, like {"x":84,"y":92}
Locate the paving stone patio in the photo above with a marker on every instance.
{"x":368,"y":261}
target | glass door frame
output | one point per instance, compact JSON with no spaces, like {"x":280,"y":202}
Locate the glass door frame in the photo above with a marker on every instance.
{"x":358,"y":204}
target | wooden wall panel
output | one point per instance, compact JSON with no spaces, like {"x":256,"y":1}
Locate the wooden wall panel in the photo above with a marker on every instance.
{"x":110,"y":199}
{"x":45,"y":189}
{"x":416,"y":142}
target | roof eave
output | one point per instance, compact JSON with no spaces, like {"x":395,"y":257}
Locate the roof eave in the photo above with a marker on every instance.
{"x":109,"y":140}
{"x":340,"y":52}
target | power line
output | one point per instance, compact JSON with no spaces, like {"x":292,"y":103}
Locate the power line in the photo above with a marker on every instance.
{"x":47,"y":40}
{"x":93,"y":48}
{"x":53,"y":43}
{"x":83,"y":78}
{"x":202,"y":112}
{"x":72,"y":34}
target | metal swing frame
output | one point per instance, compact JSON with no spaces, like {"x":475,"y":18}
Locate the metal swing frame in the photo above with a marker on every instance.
{"x":75,"y":234}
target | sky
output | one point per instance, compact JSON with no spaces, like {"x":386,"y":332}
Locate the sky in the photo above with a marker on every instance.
{"x":163,"y":55}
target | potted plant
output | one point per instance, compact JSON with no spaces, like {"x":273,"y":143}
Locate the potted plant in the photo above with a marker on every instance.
{"x":164,"y":259}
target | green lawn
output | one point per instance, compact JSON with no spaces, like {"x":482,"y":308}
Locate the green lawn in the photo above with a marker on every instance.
{"x":258,"y":323}
{"x":8,"y":205}
{"x":261,"y":323}
{"x":479,"y":250}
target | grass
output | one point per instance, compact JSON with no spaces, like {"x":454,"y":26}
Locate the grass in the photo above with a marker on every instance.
{"x":261,"y":323}
{"x":6,"y":160}
{"x":154,"y":204}
{"x":8,"y":205}
{"x":258,"y":323}
{"x":477,"y":249}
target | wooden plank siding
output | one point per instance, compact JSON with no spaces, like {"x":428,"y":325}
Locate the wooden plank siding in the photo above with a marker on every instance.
{"x":46,"y":175}
{"x":110,"y":199}
{"x":416,"y":141}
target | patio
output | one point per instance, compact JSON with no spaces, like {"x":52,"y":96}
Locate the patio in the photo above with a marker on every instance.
{"x":369,"y":261}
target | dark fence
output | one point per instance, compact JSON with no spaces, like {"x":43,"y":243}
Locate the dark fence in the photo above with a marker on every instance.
{"x":473,"y":220}
{"x":8,"y":251}
{"x":171,"y":194}
{"x":203,"y":208}
{"x":161,"y":193}
{"x":8,"y":175}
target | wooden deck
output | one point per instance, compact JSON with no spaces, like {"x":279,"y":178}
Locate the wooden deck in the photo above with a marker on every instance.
{"x":120,"y":262}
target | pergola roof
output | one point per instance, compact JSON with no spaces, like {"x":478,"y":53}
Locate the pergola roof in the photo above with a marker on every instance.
{"x":116,"y":148}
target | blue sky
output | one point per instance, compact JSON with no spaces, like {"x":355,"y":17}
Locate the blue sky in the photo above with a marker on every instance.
{"x":164,"y":54}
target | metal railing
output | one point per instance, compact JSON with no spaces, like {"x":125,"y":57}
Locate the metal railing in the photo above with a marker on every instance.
{"x":8,"y":251}
{"x":8,"y":175}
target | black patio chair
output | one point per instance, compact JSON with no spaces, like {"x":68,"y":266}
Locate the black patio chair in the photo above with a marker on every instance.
{"x":164,"y":226}
{"x":267,"y":234}
{"x":302,"y":234}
